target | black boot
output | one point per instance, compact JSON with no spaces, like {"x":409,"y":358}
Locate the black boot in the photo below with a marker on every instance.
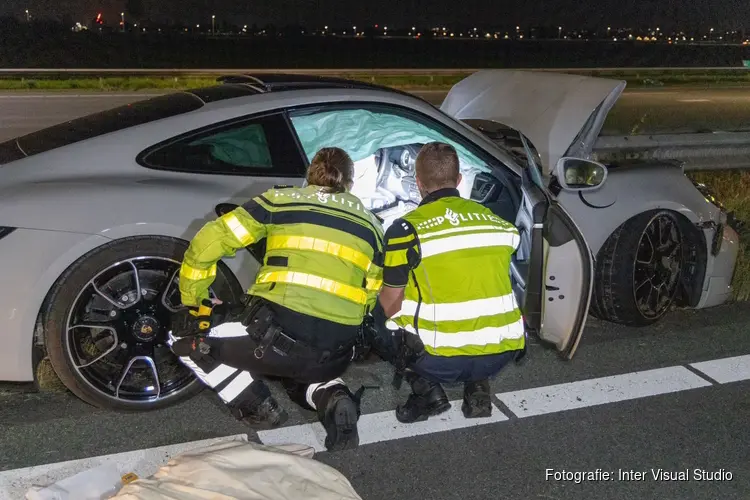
{"x":477,"y":402}
{"x":338,"y":412}
{"x":262,"y":414}
{"x":427,"y":399}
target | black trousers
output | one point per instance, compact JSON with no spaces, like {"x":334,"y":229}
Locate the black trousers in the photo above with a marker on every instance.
{"x":232,"y":369}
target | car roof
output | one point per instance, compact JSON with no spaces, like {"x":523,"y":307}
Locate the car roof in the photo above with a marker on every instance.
{"x":171,"y":105}
{"x":276,"y":82}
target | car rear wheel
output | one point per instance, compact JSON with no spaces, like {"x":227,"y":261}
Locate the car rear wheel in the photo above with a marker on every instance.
{"x":107,"y":322}
{"x":638,"y":270}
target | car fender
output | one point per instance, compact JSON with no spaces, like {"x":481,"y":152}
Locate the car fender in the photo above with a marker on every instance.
{"x":631,"y":190}
{"x":53,"y":252}
{"x":243,"y":265}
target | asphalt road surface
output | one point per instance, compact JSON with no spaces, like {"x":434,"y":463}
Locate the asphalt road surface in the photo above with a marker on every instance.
{"x":637,"y":111}
{"x":673,"y":397}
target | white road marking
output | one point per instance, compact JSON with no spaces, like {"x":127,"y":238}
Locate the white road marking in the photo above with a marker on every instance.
{"x":694,"y":100}
{"x":726,"y":370}
{"x":598,"y":391}
{"x":15,"y":483}
{"x":383,"y":426}
{"x":377,"y":427}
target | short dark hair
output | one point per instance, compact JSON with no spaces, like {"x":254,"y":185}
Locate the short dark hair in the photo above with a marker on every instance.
{"x":437,"y":166}
{"x":331,"y":168}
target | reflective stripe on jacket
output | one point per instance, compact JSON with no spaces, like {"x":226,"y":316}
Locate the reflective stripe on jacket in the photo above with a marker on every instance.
{"x":459,"y":295}
{"x":323,"y":252}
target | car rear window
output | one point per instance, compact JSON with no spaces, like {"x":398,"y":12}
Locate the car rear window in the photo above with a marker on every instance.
{"x":104,"y":122}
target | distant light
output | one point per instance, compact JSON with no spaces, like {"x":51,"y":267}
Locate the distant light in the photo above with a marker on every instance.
{"x":213,"y":17}
{"x":518,"y":28}
{"x":354,"y":28}
{"x":413,"y":28}
{"x":385,"y":28}
{"x":326,"y":27}
{"x":122,"y":13}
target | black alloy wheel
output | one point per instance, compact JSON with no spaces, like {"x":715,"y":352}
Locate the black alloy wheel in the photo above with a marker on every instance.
{"x":657,"y":266}
{"x":117,"y":331}
{"x":108,"y":322}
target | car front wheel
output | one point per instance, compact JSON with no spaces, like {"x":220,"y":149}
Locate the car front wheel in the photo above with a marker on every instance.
{"x":638,"y":270}
{"x":107,"y":321}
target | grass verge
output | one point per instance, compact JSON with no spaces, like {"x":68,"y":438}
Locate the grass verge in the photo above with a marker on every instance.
{"x":731,"y":187}
{"x":425,"y":82}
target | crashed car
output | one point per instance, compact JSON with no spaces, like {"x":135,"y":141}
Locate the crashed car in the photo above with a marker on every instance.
{"x":96,"y":212}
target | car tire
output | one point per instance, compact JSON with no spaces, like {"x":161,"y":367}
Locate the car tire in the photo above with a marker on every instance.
{"x":619,"y":289}
{"x":75,"y":284}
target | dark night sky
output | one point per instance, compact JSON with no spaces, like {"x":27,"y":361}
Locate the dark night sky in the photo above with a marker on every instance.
{"x":729,"y":14}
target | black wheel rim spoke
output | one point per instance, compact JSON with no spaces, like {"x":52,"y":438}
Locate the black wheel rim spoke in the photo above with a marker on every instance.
{"x":118,"y":328}
{"x":657,"y":266}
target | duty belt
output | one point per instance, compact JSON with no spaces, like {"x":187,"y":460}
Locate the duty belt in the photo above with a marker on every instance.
{"x":262,"y":327}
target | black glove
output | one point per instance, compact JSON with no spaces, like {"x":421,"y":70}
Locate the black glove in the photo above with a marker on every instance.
{"x":365,"y":339}
{"x":192,"y":320}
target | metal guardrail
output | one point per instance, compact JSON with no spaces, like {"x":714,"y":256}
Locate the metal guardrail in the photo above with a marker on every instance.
{"x":707,"y":151}
{"x":22,"y":72}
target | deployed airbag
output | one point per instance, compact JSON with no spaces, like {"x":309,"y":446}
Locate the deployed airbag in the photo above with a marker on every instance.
{"x":361,"y":133}
{"x":392,"y":192}
{"x":242,"y":147}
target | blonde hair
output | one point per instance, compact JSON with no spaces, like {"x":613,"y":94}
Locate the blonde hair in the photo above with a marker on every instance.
{"x":333,"y":169}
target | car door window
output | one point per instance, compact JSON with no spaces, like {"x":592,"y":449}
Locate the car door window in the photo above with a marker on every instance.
{"x":258,"y":147}
{"x":384,"y":141}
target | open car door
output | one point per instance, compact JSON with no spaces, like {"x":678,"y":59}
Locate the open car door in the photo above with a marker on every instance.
{"x":554,"y":268}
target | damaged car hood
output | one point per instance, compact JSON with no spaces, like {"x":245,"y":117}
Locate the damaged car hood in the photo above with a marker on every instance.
{"x":561,"y":114}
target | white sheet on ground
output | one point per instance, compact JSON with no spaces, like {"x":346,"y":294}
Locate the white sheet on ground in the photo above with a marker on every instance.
{"x":243,"y":471}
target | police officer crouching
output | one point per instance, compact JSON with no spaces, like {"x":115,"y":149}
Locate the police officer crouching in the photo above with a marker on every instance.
{"x":447,"y":311}
{"x":321,"y":273}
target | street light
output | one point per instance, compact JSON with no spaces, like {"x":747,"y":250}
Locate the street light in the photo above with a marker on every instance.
{"x":213,"y":25}
{"x":122,"y":21}
{"x":28,"y":16}
{"x":559,"y":32}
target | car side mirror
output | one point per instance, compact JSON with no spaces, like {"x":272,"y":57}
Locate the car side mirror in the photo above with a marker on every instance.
{"x":577,"y":174}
